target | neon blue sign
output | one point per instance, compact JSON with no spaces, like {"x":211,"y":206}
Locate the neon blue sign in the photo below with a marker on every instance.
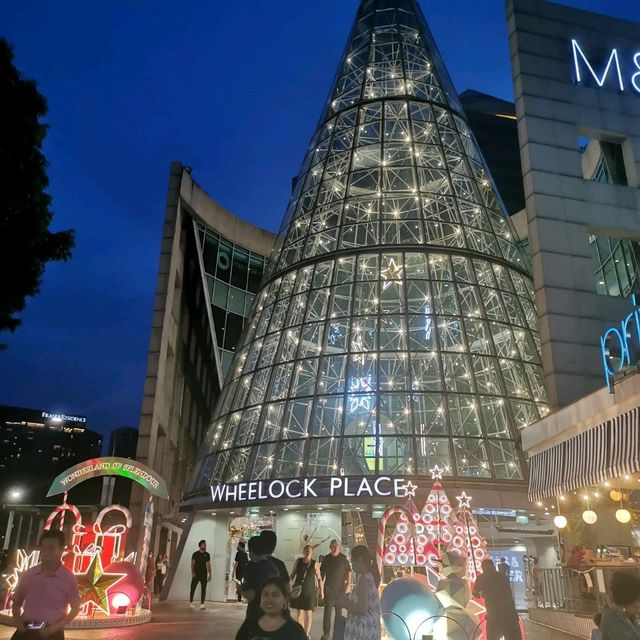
{"x":620,"y":346}
{"x":583,"y":68}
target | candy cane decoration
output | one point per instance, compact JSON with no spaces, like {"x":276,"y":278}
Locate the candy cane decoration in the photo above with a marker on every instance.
{"x":382,"y":523}
{"x":115,"y":507}
{"x":146,"y":541}
{"x":60,"y":510}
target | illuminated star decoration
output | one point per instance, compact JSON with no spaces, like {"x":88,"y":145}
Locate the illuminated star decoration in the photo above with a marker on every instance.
{"x":392,"y":272}
{"x":94,"y":584}
{"x":464,"y":501}
{"x":409,"y":489}
{"x":436,"y":473}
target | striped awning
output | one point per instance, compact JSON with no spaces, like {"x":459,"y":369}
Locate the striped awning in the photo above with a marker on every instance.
{"x":610,"y":450}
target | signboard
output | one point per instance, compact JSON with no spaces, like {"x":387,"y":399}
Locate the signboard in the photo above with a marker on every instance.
{"x":620,"y":345}
{"x":62,"y":417}
{"x":517,"y":576}
{"x":110,"y":466}
{"x":329,"y":489}
{"x":622,"y":74}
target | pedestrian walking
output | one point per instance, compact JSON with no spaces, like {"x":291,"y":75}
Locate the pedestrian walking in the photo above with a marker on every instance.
{"x":270,"y":540}
{"x":620,"y":621}
{"x":159,"y":580}
{"x":239,"y":564}
{"x":149,"y":575}
{"x":307,"y":585}
{"x":200,"y":572}
{"x":44,"y":594}
{"x":256,"y":573}
{"x":336,"y":575}
{"x":502,"y":618}
{"x":273,"y":621}
{"x":363,"y":606}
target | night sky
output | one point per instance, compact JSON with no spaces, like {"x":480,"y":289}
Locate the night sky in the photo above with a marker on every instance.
{"x":232,"y":88}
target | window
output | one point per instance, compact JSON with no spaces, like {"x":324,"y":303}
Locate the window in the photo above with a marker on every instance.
{"x":615,"y":263}
{"x":602,"y":161}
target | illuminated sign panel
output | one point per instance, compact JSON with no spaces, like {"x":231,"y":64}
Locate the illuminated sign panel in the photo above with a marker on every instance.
{"x":110,"y":466}
{"x":300,"y":489}
{"x":612,"y":67}
{"x":62,"y":417}
{"x":620,"y":345}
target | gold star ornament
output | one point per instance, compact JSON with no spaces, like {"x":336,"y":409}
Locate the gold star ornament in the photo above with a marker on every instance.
{"x":94,"y":584}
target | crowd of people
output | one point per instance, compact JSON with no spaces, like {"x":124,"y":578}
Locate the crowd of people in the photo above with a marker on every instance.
{"x":272,"y":592}
{"x":46,"y":598}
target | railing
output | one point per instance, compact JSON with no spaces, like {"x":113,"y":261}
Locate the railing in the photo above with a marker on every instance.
{"x":582,"y":591}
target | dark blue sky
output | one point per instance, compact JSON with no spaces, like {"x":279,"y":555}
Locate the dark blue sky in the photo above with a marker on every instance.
{"x":232,"y":88}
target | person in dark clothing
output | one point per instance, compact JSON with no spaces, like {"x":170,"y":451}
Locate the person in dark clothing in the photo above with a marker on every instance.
{"x":255,"y":574}
{"x":620,"y":620}
{"x":239,"y":564}
{"x":504,"y":568}
{"x":502,"y":618}
{"x":306,"y":579}
{"x":336,"y":575}
{"x":273,"y":620}
{"x":200,"y":572}
{"x":270,"y":540}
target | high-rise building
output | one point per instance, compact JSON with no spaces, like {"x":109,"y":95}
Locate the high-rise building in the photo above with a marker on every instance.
{"x":122,"y":444}
{"x":36,"y":446}
{"x":395,"y":329}
{"x":495,"y":126}
{"x":211,"y":264}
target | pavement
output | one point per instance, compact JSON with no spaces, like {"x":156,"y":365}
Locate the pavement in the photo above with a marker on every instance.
{"x":219,"y":622}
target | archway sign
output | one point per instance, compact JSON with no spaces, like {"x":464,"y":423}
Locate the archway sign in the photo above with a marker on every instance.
{"x":110,"y":466}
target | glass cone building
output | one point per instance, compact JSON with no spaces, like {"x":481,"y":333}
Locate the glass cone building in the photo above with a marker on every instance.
{"x":394,"y":329}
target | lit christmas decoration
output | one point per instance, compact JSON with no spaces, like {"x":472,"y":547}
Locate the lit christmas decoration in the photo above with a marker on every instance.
{"x":392,"y":272}
{"x":464,"y":501}
{"x":94,"y":585}
{"x":436,"y":473}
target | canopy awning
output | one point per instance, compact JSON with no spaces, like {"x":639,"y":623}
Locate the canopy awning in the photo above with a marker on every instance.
{"x":608,"y":450}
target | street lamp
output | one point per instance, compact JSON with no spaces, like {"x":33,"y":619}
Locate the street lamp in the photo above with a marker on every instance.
{"x":15,"y":494}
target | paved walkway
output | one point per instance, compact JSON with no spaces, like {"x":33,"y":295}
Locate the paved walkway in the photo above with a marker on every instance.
{"x":218,"y":622}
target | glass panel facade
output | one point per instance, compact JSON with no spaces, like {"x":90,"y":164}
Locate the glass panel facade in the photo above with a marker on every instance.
{"x":233,"y":276}
{"x":395,"y":328}
{"x":615,"y":265}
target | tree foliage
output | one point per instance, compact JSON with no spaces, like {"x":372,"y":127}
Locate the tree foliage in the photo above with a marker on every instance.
{"x":26,"y":244}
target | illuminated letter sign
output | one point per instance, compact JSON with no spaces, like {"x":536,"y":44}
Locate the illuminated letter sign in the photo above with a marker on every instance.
{"x":584,"y":71}
{"x":619,"y":345}
{"x":600,"y":81}
{"x":110,"y":466}
{"x":337,"y":488}
{"x":62,"y":417}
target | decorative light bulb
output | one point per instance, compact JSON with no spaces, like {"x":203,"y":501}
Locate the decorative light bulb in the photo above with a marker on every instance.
{"x":623,"y":516}
{"x":560,"y":522}
{"x":590,"y":517}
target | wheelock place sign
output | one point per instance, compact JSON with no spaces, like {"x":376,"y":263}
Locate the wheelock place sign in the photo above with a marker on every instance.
{"x":332,"y":489}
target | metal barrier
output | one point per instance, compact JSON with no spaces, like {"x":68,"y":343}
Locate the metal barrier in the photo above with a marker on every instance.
{"x":583,"y":591}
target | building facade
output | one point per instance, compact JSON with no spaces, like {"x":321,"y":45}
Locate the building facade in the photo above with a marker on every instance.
{"x":577,"y":102}
{"x":36,"y":446}
{"x":566,"y":99}
{"x":210,"y":265}
{"x":394,"y":332}
{"x":123,"y":443}
{"x":494,"y":124}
